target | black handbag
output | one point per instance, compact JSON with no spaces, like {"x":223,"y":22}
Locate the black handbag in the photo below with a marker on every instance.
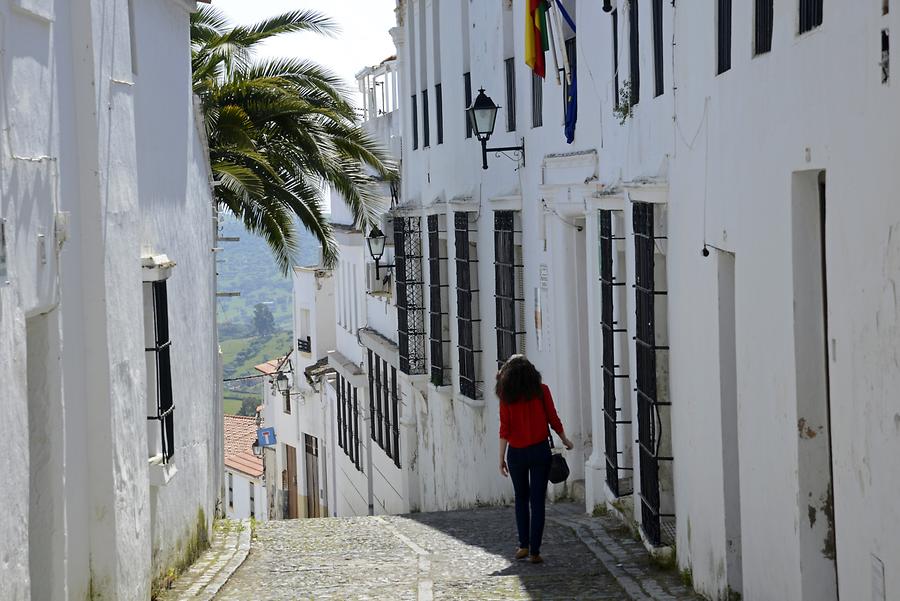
{"x":559,"y":468}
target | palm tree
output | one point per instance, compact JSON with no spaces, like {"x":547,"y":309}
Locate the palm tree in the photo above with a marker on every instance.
{"x":280,"y":130}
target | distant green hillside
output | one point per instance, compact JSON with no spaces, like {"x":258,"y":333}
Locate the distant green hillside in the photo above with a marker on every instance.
{"x":247,"y":267}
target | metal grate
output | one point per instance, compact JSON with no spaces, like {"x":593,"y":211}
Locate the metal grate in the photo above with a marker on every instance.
{"x":467,"y":91}
{"x":615,"y":53}
{"x":810,"y":15}
{"x":426,"y":131}
{"x":723,"y":36}
{"x":537,"y":100}
{"x":395,"y":413}
{"x":649,"y":421}
{"x":467,"y":303}
{"x":437,"y":311}
{"x":508,"y":296}
{"x":510,"y":65}
{"x":439,"y":112}
{"x":384,"y":406}
{"x":162,"y":344}
{"x":410,"y":295}
{"x":762,"y":32}
{"x":414,"y":115}
{"x":658,"y":71}
{"x":633,"y":54}
{"x":304,"y":345}
{"x":612,"y":413}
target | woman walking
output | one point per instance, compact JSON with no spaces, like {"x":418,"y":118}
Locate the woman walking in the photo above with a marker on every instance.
{"x":526,"y":408}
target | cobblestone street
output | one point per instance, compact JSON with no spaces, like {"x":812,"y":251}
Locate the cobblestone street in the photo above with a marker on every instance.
{"x":449,"y":555}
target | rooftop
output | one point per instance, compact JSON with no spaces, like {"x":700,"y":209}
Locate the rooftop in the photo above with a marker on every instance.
{"x":240,"y":434}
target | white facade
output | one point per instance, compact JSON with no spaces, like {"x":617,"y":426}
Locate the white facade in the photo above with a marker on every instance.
{"x":245,"y":496}
{"x":768,"y":449}
{"x":105,"y":189}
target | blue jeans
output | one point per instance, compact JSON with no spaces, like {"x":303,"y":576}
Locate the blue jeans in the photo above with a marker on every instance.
{"x":529,"y":468}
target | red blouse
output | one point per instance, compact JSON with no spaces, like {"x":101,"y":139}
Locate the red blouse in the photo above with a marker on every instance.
{"x":524,"y":423}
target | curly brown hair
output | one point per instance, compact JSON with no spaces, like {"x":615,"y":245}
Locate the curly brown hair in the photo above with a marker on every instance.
{"x":518,"y":380}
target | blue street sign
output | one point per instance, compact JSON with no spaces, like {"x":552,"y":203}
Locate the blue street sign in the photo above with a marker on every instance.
{"x":266,"y":437}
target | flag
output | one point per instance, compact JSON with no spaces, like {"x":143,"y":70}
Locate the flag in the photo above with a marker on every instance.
{"x":536,"y":42}
{"x":571,"y":107}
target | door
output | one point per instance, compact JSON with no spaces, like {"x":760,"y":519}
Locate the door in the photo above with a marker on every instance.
{"x":291,"y":454}
{"x":313,"y":509}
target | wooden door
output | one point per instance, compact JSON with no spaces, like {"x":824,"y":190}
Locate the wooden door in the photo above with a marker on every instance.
{"x":313,"y":509}
{"x":291,"y":453}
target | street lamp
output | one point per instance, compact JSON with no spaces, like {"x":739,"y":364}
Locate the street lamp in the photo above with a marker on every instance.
{"x":375,"y":242}
{"x":281,"y":383}
{"x":482,"y":116}
{"x":607,"y":6}
{"x":257,"y":449}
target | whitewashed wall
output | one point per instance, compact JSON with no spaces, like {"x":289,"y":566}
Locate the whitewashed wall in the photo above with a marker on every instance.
{"x":240,"y":508}
{"x":73,"y":309}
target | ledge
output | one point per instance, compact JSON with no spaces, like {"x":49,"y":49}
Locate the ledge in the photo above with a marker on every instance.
{"x":161,"y":473}
{"x":647,"y":190}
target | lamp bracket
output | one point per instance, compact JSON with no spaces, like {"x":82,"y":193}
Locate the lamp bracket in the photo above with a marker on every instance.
{"x":518,"y":151}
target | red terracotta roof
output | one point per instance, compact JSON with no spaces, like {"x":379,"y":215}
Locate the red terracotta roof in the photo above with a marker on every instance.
{"x":240,"y":433}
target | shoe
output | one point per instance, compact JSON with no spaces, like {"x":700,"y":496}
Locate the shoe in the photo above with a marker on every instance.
{"x":536,"y":559}
{"x":521,"y":552}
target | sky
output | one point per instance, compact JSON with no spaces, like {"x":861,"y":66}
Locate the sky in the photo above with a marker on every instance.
{"x":363,"y":39}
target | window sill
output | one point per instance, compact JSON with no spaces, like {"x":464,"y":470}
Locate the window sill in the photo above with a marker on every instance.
{"x":473,"y":403}
{"x":161,"y":473}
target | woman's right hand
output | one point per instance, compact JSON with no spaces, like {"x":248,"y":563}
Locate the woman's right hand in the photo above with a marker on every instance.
{"x":568,"y":443}
{"x":503,"y":468}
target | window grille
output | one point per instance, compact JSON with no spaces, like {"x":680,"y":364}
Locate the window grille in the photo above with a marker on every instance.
{"x":252,"y":500}
{"x":571,"y":53}
{"x":340,"y":413}
{"x":160,"y":347}
{"x":348,"y":419}
{"x":650,"y":422}
{"x":762,"y":38}
{"x":438,"y":289}
{"x":658,"y":70}
{"x":384,"y":402}
{"x":355,"y":414}
{"x":467,"y":308}
{"x":286,"y":403}
{"x":230,"y":489}
{"x":510,"y":65}
{"x":414,"y":114}
{"x":615,"y":53}
{"x":304,"y":345}
{"x":537,"y":100}
{"x":426,"y":131}
{"x":509,"y":294}
{"x":885,"y":56}
{"x":723,"y":36}
{"x":613,"y":414}
{"x":439,"y":112}
{"x":634,"y":53}
{"x":810,"y":15}
{"x":410,"y":294}
{"x":467,"y":90}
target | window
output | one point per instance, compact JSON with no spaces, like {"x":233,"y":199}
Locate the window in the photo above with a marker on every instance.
{"x":509,"y":294}
{"x":426,"y":131}
{"x":384,"y":405}
{"x":885,"y":56}
{"x":415,"y":123}
{"x":286,"y":402}
{"x":537,"y":100}
{"x":439,"y":112}
{"x":133,"y":34}
{"x":467,"y":89}
{"x":410,"y":295}
{"x":723,"y":36}
{"x":304,"y":342}
{"x":810,"y":15}
{"x":230,"y":490}
{"x":571,"y":53}
{"x":161,"y":424}
{"x":439,"y":330}
{"x":252,"y":500}
{"x":510,"y":64}
{"x":348,"y":420}
{"x":467,"y":308}
{"x":634,"y":53}
{"x":658,"y":71}
{"x":612,"y":280}
{"x":615,"y":53}
{"x":651,"y":397}
{"x":762,"y":33}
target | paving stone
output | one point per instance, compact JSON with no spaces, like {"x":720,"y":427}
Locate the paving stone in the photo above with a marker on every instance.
{"x":454,"y":555}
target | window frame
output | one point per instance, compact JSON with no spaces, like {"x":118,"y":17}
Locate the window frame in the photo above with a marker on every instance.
{"x":634,"y":54}
{"x":468,"y":317}
{"x":438,"y":308}
{"x":410,"y":302}
{"x":810,"y":15}
{"x":723,"y":36}
{"x":426,"y":121}
{"x":659,"y":77}
{"x":537,"y":100}
{"x":509,"y":296}
{"x":414,"y":116}
{"x":162,"y":369}
{"x":763,"y":25}
{"x":509,"y":65}
{"x":467,"y":97}
{"x":439,"y":112}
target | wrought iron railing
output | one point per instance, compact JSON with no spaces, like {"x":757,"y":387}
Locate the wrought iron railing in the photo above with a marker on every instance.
{"x":410,"y":295}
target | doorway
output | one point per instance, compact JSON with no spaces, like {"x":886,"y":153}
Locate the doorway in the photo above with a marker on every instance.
{"x":291,"y":476}
{"x":311,"y":445}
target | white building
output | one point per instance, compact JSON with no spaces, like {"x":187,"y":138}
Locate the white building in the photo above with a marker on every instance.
{"x":736,"y":403}
{"x":245,"y":478}
{"x":107,"y":290}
